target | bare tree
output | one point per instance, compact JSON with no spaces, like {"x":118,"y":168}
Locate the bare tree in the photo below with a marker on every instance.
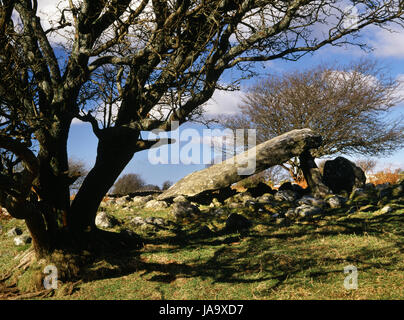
{"x":166,"y":185}
{"x":140,"y":65}
{"x":367,"y":165}
{"x":348,"y":105}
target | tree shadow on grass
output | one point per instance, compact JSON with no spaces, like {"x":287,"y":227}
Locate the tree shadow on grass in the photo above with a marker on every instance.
{"x":252,"y":257}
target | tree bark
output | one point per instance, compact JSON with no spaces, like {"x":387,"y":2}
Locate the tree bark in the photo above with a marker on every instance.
{"x":50,"y":199}
{"x":41,"y":239}
{"x":113,"y":154}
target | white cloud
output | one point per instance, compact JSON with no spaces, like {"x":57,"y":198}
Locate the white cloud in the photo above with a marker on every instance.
{"x":50,"y":12}
{"x":387,"y":44}
{"x":224,"y":102}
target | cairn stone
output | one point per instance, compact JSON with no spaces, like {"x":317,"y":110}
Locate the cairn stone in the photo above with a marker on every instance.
{"x":104,"y":220}
{"x":312,"y":201}
{"x":22,"y":240}
{"x":286,"y":195}
{"x":140,"y":201}
{"x":336,"y":202}
{"x":155,"y":204}
{"x":180,"y":210}
{"x":306,"y":211}
{"x":341,"y":174}
{"x":16,"y":231}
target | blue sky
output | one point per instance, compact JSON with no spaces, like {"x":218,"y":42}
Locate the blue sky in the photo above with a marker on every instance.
{"x":388,"y":50}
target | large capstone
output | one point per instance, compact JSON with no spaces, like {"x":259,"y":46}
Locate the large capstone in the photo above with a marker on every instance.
{"x":265,"y":155}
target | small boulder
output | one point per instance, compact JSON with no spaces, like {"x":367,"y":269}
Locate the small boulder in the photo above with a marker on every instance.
{"x":237,"y":222}
{"x":252,"y":204}
{"x":312,"y":201}
{"x":246,"y":197}
{"x":266,"y":198}
{"x":137,"y":221}
{"x":181,"y":210}
{"x":104,"y":220}
{"x":155,"y":205}
{"x":140,"y":201}
{"x":336,"y":202}
{"x":358,"y":192}
{"x":22,"y":239}
{"x":16,"y":231}
{"x":218,"y":212}
{"x":241,"y":197}
{"x":306,"y":211}
{"x":156,"y":221}
{"x":148,"y":223}
{"x":286,"y":195}
{"x":122,"y":200}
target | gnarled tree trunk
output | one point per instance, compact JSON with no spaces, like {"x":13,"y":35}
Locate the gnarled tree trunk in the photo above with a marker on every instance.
{"x":115,"y":150}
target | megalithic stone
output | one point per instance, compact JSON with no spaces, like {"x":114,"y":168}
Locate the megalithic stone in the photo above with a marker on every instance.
{"x":265,"y":155}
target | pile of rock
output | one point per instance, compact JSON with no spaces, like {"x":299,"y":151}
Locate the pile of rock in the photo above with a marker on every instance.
{"x":287,"y":204}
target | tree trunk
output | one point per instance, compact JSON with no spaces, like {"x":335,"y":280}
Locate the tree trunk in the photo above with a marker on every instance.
{"x":45,"y":221}
{"x":113,"y":154}
{"x":54,"y":224}
{"x":41,"y":239}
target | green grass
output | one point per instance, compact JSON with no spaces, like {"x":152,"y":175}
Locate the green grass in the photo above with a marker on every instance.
{"x":302,"y":261}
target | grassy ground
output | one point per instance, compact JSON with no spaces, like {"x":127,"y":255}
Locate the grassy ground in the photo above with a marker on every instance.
{"x":304,"y":260}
